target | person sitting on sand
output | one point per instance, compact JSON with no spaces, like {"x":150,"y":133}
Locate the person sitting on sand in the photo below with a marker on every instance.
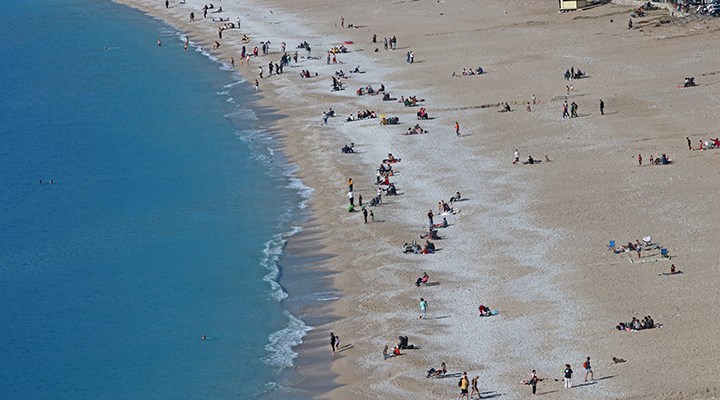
{"x":506,"y":107}
{"x":674,"y":271}
{"x":455,"y":198}
{"x":422,"y":280}
{"x":422,"y":113}
{"x":216,"y":45}
{"x":636,"y":324}
{"x":385,"y":353}
{"x":483,"y":311}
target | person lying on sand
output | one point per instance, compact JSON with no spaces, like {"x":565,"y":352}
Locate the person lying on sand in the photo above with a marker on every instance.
{"x":505,"y":108}
{"x":387,"y":97}
{"x":416,"y":130}
{"x":443,"y":224}
{"x":437,"y":373}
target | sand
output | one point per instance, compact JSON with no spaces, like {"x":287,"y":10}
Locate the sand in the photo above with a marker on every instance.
{"x":529,"y":240}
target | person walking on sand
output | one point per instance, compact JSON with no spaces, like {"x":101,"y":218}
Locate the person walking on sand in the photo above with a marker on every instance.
{"x":528,"y":107}
{"x":533,"y":99}
{"x":517,"y":157}
{"x":533,"y":382}
{"x":342,"y":22}
{"x":573,"y":110}
{"x":350,"y":184}
{"x":192,"y":17}
{"x":232,"y":62}
{"x":365,"y":214}
{"x":567,"y":376}
{"x":412,"y":57}
{"x":372,"y":216}
{"x":351,"y":198}
{"x":588,"y":369}
{"x":689,"y":142}
{"x":257,"y":85}
{"x":602,"y":107}
{"x":423,"y":308}
{"x":360,"y":200}
{"x":565,"y":113}
{"x":464,"y":385}
{"x":333,"y":341}
{"x":639,"y":158}
{"x":473,"y":387}
{"x":457,"y":128}
{"x":167,"y":3}
{"x":430,"y":216}
{"x":567,"y":89}
{"x":261,"y":72}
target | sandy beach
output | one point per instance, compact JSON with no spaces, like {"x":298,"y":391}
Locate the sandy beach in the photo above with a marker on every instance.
{"x":530,"y":241}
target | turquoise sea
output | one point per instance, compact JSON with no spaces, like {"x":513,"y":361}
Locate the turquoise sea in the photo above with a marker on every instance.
{"x":166,"y":215}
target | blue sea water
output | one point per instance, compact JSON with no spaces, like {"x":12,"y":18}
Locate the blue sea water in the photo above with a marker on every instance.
{"x":166,"y":216}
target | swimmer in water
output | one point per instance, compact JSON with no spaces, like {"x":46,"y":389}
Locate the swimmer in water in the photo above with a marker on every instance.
{"x":159,"y":42}
{"x":203,"y":337}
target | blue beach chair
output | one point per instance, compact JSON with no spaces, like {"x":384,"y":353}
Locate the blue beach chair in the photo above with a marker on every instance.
{"x":664,"y":252}
{"x":611,"y":246}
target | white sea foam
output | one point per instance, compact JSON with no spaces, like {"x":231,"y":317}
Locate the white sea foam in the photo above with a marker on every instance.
{"x":242,"y":113}
{"x":297,"y":184}
{"x":282,"y":342}
{"x":235,"y":83}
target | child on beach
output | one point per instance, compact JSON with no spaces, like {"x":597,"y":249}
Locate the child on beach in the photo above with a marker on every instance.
{"x":423,"y":308}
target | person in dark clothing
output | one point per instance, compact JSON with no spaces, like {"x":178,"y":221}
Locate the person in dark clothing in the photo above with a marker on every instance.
{"x":567,"y":375}
{"x":602,"y":107}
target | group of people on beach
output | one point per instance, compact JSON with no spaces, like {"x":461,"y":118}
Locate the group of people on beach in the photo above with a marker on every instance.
{"x":468,"y":387}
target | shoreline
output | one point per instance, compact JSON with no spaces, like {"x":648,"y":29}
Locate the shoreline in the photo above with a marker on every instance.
{"x":512,"y":234}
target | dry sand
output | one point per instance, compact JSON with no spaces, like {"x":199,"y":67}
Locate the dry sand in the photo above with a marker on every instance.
{"x":529,"y":240}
